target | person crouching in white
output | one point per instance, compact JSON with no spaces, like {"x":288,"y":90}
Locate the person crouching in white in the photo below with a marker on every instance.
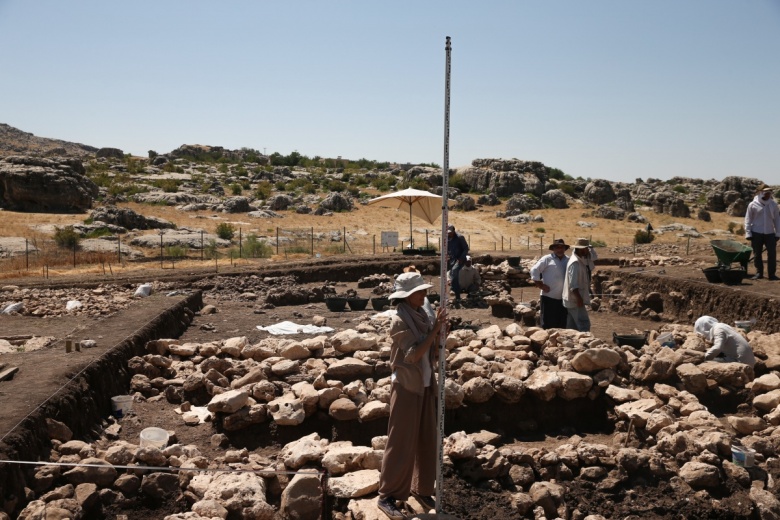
{"x":469,"y":277}
{"x":728,"y":345}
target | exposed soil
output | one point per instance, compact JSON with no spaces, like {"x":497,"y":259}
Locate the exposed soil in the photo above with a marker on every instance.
{"x":85,"y":402}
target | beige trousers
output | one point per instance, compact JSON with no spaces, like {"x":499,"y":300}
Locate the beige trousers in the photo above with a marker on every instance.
{"x":410,"y":456}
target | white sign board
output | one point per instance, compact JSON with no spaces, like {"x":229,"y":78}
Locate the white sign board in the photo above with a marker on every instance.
{"x":389,"y":238}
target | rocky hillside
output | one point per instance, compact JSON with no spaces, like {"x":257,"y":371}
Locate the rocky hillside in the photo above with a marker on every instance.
{"x":16,"y":142}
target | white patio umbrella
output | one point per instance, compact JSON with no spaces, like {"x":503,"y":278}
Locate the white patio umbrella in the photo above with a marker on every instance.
{"x":421,"y":204}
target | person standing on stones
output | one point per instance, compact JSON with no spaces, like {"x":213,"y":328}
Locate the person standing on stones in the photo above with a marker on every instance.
{"x":576,"y":287}
{"x":548,"y":274}
{"x":457,"y":249}
{"x":409,"y":462}
{"x":762,"y":228}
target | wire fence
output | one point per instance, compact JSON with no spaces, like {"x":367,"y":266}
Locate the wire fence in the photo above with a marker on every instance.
{"x":36,"y":255}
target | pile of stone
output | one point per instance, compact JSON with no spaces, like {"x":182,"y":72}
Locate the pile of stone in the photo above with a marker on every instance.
{"x":653,"y":261}
{"x":653,"y":393}
{"x":515,"y":276}
{"x":100,"y":302}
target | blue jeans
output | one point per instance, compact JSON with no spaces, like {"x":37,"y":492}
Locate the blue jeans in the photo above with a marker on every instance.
{"x":578,"y":319}
{"x":455,"y":278}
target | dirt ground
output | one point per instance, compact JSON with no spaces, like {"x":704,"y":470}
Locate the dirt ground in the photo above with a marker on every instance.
{"x":43,"y":373}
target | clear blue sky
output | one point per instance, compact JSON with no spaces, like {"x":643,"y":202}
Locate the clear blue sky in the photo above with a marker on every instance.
{"x":604,"y":89}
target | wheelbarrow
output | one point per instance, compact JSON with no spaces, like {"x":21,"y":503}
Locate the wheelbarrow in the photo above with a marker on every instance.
{"x":731,"y":251}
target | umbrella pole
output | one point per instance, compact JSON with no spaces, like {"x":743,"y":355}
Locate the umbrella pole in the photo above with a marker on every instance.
{"x":443,"y":274}
{"x":411,"y":240}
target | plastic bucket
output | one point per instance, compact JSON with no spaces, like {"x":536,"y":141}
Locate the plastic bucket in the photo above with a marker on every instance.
{"x":742,"y":456}
{"x":666,"y":340}
{"x":744,"y":325}
{"x":154,"y":438}
{"x":121,"y":405}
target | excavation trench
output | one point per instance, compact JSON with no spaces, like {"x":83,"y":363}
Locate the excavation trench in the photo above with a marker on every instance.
{"x":84,"y":403}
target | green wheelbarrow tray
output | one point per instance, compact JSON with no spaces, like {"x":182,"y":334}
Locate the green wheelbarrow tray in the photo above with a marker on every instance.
{"x":731,"y":251}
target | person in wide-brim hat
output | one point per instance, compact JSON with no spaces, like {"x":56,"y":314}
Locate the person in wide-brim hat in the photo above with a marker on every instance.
{"x":408,"y":283}
{"x":762,"y":188}
{"x":558,"y":242}
{"x":582,"y":243}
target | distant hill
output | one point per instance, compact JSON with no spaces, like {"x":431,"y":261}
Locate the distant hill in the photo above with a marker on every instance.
{"x":16,"y":142}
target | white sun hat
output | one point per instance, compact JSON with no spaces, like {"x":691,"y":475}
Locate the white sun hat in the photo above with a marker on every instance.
{"x":407,"y":284}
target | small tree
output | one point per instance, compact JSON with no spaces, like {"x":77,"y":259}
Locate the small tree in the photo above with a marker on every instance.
{"x":226,"y":231}
{"x":263,"y":190}
{"x":66,"y":237}
{"x":643,"y":237}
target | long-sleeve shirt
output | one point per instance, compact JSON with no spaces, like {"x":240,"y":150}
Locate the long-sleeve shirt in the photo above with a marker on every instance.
{"x":577,"y":277}
{"x":468,"y":276}
{"x":551,"y":270}
{"x":731,"y":344}
{"x":413,"y":376}
{"x":762,"y":216}
{"x":457,"y":248}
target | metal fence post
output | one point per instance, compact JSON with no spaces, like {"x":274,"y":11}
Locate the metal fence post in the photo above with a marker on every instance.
{"x":240,"y":244}
{"x":312,"y":242}
{"x":277,"y":240}
{"x":26,"y":255}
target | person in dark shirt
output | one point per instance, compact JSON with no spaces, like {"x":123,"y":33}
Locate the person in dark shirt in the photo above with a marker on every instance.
{"x":457,"y":249}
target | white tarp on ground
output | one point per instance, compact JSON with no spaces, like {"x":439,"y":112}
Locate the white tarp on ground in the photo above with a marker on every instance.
{"x":288,"y":327}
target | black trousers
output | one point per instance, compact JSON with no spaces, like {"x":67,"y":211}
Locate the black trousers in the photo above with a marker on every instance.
{"x":758,"y":241}
{"x":554,"y":314}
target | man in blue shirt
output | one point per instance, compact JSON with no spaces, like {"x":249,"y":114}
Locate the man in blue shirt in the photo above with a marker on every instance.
{"x":457,"y":249}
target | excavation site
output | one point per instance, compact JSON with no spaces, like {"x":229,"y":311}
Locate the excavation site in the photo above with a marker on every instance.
{"x":176,"y":405}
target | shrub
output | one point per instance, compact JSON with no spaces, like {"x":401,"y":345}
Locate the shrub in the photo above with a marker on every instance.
{"x":643,"y":237}
{"x":458,"y":182}
{"x":567,"y":188}
{"x":263,"y":190}
{"x":680,"y":188}
{"x":225,"y":231}
{"x":539,"y":230}
{"x":167,"y":185}
{"x":97,"y":233}
{"x":254,"y":248}
{"x":66,"y":237}
{"x":236,"y":189}
{"x":210,"y":249}
{"x":176,"y":251}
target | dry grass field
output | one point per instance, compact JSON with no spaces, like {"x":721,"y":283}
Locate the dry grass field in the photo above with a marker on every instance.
{"x":363,"y":227}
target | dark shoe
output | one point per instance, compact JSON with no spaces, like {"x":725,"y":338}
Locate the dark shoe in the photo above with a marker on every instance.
{"x":757,"y":277}
{"x":774,"y":278}
{"x":426,"y":501}
{"x":388,"y":507}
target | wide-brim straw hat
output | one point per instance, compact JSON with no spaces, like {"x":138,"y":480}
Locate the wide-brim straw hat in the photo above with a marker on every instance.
{"x":763,"y":187}
{"x":558,"y":242}
{"x":408,"y":283}
{"x":582,"y":243}
{"x":411,"y":269}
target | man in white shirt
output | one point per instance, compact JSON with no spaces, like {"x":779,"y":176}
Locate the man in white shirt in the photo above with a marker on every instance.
{"x":762,"y":228}
{"x":548,"y":275}
{"x":576,"y":287}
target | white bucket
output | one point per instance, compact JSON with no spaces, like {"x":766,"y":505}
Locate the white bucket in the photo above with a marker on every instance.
{"x":121,"y":405}
{"x":742,"y":456}
{"x":744,"y":325}
{"x":154,"y":438}
{"x":666,"y":340}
